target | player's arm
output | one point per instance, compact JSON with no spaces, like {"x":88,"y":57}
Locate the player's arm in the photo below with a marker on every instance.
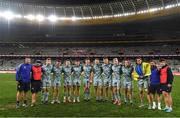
{"x":170,"y":77}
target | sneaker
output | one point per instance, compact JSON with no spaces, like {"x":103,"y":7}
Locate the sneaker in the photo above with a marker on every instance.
{"x":24,"y":105}
{"x":159,"y":108}
{"x":115,"y":102}
{"x":149,"y":107}
{"x":118,"y":103}
{"x":57,"y":101}
{"x":64,"y":100}
{"x":78,"y":100}
{"x":46,"y":102}
{"x":153,"y":107}
{"x":141,"y":105}
{"x":69,"y":99}
{"x":74,"y":100}
{"x":168,"y":110}
{"x":32,"y":105}
{"x":53,"y":101}
{"x":17,"y":106}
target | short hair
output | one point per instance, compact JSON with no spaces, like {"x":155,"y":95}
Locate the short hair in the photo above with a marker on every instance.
{"x":48,"y":58}
{"x":105,"y":58}
{"x":153,"y":61}
{"x":139,"y":58}
{"x":161,"y":60}
{"x":87,"y":59}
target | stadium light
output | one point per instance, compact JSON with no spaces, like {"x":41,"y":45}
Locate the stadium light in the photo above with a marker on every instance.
{"x":30,"y":17}
{"x":40,"y":18}
{"x":73,"y":18}
{"x":8,"y":15}
{"x":53,"y":18}
{"x":18,"y":16}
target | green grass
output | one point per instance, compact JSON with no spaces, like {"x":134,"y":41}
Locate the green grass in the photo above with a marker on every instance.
{"x":92,"y":108}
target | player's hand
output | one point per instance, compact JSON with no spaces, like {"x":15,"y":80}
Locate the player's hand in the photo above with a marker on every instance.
{"x":90,"y":81}
{"x":169,"y":85}
{"x":141,"y":77}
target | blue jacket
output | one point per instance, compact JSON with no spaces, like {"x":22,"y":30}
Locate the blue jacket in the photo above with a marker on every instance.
{"x":23,"y":73}
{"x":155,"y":76}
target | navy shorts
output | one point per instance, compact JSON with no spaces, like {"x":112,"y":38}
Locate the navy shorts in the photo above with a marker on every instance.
{"x":153,"y":89}
{"x":21,"y":86}
{"x":36,"y":86}
{"x":164,"y":87}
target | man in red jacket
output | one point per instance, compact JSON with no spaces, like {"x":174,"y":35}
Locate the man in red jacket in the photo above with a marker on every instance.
{"x":36,"y":80}
{"x":166,"y":80}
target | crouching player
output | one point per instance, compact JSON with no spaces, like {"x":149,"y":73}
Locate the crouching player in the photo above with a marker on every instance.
{"x":127,"y":71}
{"x":154,"y":87}
{"x":166,"y":80}
{"x":46,"y":80}
{"x":56,"y":81}
{"x":77,"y":70}
{"x":97,"y":79}
{"x":87,"y":69}
{"x":36,"y":81}
{"x":23,"y":78}
{"x":67,"y":70}
{"x":116,"y":84}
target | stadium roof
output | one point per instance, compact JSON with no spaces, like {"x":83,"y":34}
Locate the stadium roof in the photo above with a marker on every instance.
{"x":64,"y":2}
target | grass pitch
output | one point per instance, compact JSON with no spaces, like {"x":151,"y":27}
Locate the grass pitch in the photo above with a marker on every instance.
{"x":91,"y":108}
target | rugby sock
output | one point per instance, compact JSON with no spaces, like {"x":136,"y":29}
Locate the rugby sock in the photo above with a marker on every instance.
{"x":159,"y":104}
{"x":43,"y":96}
{"x":46,"y":96}
{"x":118,"y":96}
{"x":154,"y":103}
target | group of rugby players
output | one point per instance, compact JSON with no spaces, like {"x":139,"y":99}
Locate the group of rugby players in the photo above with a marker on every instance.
{"x":152,"y":79}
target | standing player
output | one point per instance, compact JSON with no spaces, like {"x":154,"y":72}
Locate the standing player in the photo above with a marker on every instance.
{"x":36,"y":81}
{"x":97,"y":79}
{"x":127,"y":71}
{"x":141,"y":73}
{"x":46,"y":80}
{"x":77,"y":71}
{"x":154,"y":87}
{"x":67,"y":70}
{"x":87,"y":69}
{"x":107,"y":77}
{"x":116,"y":82}
{"x":56,"y":81}
{"x":166,"y":80}
{"x":23,"y":78}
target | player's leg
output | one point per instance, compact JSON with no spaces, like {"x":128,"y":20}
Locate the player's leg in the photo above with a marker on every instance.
{"x":118,"y":87}
{"x":57,"y":93}
{"x":19,"y":95}
{"x":69,"y":91}
{"x":146,"y":90}
{"x":95,"y":83}
{"x":101,"y":90}
{"x":53,"y":88}
{"x":78,"y":93}
{"x":26,"y":88}
{"x":74,"y":92}
{"x":141,"y":92}
{"x":65,"y":91}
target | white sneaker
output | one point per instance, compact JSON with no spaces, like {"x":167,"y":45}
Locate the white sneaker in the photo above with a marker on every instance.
{"x":24,"y":105}
{"x":69,"y":99}
{"x":53,"y":101}
{"x":57,"y":101}
{"x":154,"y":107}
{"x":149,"y":107}
{"x":159,"y":108}
{"x":64,"y":100}
{"x":141,"y":105}
{"x":74,"y":100}
{"x":78,"y":100}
